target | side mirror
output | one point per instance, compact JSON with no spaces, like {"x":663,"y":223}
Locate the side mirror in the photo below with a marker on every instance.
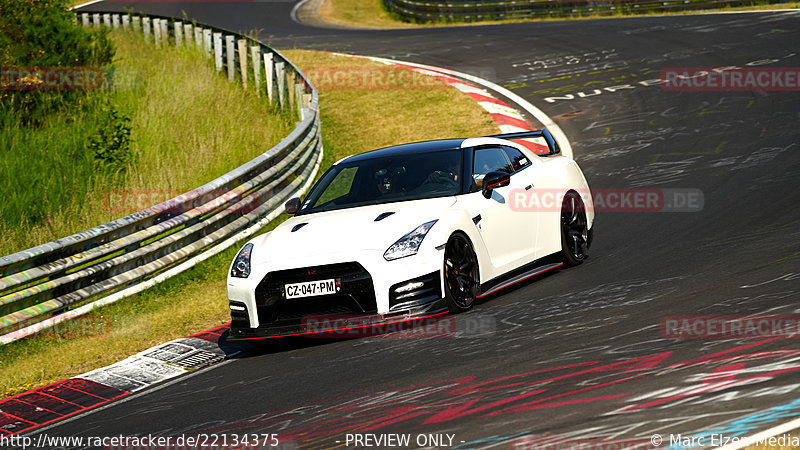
{"x":292,"y":206}
{"x":494,"y":180}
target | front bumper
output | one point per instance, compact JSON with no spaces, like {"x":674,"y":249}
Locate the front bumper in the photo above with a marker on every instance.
{"x":403,"y":294}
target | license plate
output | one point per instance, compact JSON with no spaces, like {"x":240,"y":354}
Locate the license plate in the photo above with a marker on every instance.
{"x":310,"y":288}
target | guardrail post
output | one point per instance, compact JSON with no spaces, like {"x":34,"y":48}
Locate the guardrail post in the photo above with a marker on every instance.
{"x":146,"y":28}
{"x":96,"y":19}
{"x":298,"y":97}
{"x":178,"y":30}
{"x":242,"y":44}
{"x":126,"y":22}
{"x":165,"y":31}
{"x":269,"y":75}
{"x":198,"y":38}
{"x":107,"y":20}
{"x":207,"y":43}
{"x":85,"y":19}
{"x":218,"y":51}
{"x":115,"y":21}
{"x":188,"y":33}
{"x":157,"y":32}
{"x":290,"y":88}
{"x":230,"y":53}
{"x":281,"y":77}
{"x":255,"y":55}
{"x":136,"y":21}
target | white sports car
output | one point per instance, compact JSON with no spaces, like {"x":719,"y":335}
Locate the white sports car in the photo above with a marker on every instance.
{"x":410,"y":231}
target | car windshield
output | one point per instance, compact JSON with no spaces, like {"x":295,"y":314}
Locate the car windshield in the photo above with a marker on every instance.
{"x":389,"y":179}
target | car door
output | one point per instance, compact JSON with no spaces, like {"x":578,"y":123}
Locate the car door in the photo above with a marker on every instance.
{"x":527,"y":172}
{"x":508,"y":235}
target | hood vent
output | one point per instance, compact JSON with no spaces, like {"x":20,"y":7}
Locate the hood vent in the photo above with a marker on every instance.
{"x":383,"y":216}
{"x":298,"y":226}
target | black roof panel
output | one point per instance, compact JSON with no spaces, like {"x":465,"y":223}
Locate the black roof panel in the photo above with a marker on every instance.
{"x":406,"y":149}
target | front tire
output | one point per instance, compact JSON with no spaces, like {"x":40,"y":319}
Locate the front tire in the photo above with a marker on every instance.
{"x":574,"y":230}
{"x":461,"y":276}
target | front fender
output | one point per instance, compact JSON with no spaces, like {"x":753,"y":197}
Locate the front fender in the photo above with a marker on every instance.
{"x":459,"y":220}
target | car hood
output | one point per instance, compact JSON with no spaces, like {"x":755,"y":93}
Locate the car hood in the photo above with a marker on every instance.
{"x":351,"y":230}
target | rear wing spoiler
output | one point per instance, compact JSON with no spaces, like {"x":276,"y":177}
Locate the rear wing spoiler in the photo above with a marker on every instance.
{"x":543,"y":133}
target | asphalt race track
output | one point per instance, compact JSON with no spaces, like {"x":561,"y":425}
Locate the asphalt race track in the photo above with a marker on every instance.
{"x":577,"y":354}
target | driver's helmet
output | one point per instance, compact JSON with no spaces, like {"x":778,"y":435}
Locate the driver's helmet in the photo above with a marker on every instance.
{"x":387,"y":177}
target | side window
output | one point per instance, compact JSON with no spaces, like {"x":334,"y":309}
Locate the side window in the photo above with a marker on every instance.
{"x":491,"y":159}
{"x":518,"y":160}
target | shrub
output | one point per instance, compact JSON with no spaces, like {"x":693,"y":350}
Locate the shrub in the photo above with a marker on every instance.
{"x":111,"y":146}
{"x":41,"y":33}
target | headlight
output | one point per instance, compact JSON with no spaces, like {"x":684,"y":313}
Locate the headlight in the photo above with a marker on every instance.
{"x":408,"y":244}
{"x":241,"y":265}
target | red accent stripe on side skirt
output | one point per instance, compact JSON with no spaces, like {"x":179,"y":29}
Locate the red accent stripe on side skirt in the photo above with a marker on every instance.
{"x":522,"y":279}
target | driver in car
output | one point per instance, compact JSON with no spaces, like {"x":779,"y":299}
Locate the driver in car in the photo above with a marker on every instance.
{"x":448,"y":176}
{"x":387,"y":179}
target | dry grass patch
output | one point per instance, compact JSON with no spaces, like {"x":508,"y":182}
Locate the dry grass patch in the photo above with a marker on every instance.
{"x":368,"y":13}
{"x":357,"y":120}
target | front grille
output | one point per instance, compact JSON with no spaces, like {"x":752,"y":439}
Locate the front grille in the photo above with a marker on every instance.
{"x":296,"y":309}
{"x":356,"y":296}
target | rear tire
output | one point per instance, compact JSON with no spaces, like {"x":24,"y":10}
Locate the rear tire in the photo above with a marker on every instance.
{"x":461,"y":276}
{"x":575,"y":237}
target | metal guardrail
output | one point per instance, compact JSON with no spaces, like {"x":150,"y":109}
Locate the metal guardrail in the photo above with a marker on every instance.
{"x":474,"y":10}
{"x":48,"y":283}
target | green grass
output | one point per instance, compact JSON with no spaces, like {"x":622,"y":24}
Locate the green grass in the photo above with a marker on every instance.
{"x":182,"y":115}
{"x":353,"y":121}
{"x":45,"y":170}
{"x":371,"y":13}
{"x":368,"y":13}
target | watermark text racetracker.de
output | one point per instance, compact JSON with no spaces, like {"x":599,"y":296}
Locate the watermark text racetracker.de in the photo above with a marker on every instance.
{"x":611,"y":200}
{"x":730,"y":327}
{"x":50,"y":78}
{"x":370,"y":78}
{"x":127,"y":201}
{"x":355,"y":326}
{"x":730,"y":79}
{"x":88,"y":325}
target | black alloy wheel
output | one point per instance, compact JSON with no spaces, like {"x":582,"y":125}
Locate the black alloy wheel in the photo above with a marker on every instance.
{"x":461,"y":276}
{"x":574,"y":230}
